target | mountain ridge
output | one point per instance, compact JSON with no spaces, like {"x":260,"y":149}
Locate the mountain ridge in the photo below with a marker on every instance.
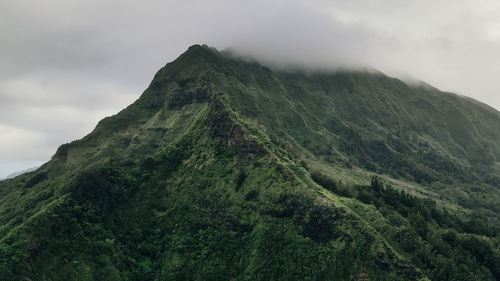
{"x":226,"y":169}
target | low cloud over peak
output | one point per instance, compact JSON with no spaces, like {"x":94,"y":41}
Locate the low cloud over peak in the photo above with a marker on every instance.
{"x":67,"y":64}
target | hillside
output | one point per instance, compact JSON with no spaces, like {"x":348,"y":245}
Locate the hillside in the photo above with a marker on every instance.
{"x":224,"y":169}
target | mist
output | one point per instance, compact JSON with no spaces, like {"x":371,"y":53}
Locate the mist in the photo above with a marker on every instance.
{"x":68,"y":64}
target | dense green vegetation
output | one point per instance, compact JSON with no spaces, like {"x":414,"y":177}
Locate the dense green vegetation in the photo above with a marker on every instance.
{"x":447,"y":245}
{"x":226,"y":170}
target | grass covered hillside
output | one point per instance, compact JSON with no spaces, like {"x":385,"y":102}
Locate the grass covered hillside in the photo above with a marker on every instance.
{"x":226,"y":170}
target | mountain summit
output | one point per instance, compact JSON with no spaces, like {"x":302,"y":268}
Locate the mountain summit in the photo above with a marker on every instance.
{"x":225,"y":169}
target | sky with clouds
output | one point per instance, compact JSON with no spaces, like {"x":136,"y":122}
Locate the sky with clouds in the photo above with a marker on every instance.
{"x":66,"y":64}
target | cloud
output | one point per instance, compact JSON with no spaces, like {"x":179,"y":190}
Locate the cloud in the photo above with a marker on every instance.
{"x":68,"y":63}
{"x":38,"y":114}
{"x":20,"y":140}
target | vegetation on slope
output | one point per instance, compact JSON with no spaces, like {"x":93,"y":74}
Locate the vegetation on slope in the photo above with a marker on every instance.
{"x":226,"y":170}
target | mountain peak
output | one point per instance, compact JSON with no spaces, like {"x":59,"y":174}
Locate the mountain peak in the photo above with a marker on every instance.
{"x":199,"y":52}
{"x":195,"y":59}
{"x":222,"y":164}
{"x":202,"y":48}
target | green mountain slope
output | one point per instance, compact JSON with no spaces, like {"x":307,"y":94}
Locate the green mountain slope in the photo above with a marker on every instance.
{"x":226,"y":170}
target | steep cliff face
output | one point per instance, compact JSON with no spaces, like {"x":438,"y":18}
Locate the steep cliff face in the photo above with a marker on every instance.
{"x":224,"y":169}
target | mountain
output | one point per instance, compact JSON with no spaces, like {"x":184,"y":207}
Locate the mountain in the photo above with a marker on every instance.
{"x":225,"y":169}
{"x":13,"y":175}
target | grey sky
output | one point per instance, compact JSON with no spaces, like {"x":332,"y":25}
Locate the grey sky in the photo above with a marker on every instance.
{"x":65,"y":64}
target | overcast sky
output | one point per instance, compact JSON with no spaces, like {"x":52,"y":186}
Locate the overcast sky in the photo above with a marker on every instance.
{"x":65,"y":64}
